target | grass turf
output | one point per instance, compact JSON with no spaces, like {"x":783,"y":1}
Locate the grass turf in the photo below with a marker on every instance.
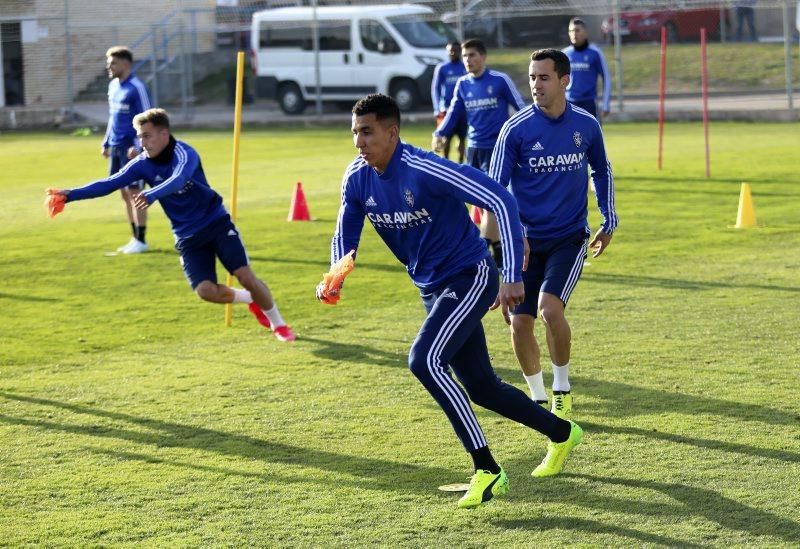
{"x":129,"y":414}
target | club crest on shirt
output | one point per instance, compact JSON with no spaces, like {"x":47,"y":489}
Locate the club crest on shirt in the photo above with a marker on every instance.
{"x":409,"y":198}
{"x":577,"y":138}
{"x":490,"y":90}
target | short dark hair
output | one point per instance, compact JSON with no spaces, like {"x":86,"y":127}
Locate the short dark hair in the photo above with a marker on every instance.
{"x":455,"y":44}
{"x":120,"y":52}
{"x":577,"y":21}
{"x":382,"y":106}
{"x":559,"y":58}
{"x":156,"y":117}
{"x":475,"y":44}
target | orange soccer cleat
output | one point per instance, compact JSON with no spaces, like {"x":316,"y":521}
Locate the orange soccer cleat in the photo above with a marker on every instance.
{"x":54,"y":202}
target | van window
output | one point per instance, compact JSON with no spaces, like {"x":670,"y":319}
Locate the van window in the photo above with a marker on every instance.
{"x":423,"y":34}
{"x":333,"y":35}
{"x":376,"y":38}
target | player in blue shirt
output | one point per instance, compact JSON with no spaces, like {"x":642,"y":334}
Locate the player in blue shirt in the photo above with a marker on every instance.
{"x":485,"y":96}
{"x":415,"y":201}
{"x":445,"y":76}
{"x":587,"y":64}
{"x":202,"y":227}
{"x":541,"y":156}
{"x":127,"y":97}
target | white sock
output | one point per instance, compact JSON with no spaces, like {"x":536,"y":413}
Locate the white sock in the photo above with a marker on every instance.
{"x":275,"y":317}
{"x":241,"y":296}
{"x":536,"y":385}
{"x":561,"y":377}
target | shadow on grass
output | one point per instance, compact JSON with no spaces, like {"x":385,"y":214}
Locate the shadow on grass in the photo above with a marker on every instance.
{"x":690,"y":501}
{"x":353,"y":352}
{"x":368,"y":473}
{"x":569,"y":524}
{"x":28,"y":298}
{"x":676,"y":283}
{"x":679,"y":179}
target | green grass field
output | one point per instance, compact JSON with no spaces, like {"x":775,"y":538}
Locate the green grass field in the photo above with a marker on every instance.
{"x":129,"y":414}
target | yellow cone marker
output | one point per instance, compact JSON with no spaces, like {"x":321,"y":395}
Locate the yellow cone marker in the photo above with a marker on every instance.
{"x":746,"y":218}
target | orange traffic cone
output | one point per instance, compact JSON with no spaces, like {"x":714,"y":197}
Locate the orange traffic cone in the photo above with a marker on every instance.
{"x":298,"y":211}
{"x":476,"y":215}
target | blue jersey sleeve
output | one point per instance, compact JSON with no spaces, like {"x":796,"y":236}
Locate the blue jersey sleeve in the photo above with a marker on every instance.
{"x":130,"y":173}
{"x":350,"y":221}
{"x":186,"y":163}
{"x":472,"y":186}
{"x":605,"y":74}
{"x":512,"y":93}
{"x":603,"y":178}
{"x":505,"y":154}
{"x":455,"y":112}
{"x":435,"y":87}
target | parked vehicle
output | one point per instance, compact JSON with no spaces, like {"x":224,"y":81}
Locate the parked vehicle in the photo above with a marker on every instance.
{"x":513,"y":23}
{"x":390,"y":49}
{"x":682,"y":25}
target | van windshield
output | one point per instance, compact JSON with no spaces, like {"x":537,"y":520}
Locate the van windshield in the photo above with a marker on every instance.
{"x":423,"y":34}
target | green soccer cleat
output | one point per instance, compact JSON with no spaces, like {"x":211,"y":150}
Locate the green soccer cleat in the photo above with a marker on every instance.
{"x":483,"y":486}
{"x":562,"y":404}
{"x":557,"y":453}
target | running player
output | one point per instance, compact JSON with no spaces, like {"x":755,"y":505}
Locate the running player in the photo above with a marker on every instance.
{"x":541,"y":156}
{"x":445,"y":76}
{"x":415,"y":201}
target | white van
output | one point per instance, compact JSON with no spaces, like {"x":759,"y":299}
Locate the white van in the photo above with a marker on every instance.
{"x":390,"y":49}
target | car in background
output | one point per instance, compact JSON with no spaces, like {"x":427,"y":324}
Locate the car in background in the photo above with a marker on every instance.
{"x":511,"y":23}
{"x":683,"y":25}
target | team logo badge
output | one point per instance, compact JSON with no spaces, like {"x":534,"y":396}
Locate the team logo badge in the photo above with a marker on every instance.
{"x":409,"y":198}
{"x":576,"y":137}
{"x":490,"y":90}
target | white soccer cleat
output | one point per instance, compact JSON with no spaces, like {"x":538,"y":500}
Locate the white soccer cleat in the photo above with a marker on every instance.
{"x":128,"y":243}
{"x":135,"y":247}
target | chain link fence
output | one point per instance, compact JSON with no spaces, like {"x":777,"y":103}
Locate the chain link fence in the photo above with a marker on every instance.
{"x":53,"y":50}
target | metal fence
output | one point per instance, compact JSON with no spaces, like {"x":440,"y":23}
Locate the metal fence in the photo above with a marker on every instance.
{"x":53,"y":51}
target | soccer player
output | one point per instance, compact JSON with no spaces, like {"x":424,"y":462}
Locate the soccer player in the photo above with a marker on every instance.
{"x":415,"y":201}
{"x":127,"y":97}
{"x":587,"y":64}
{"x":541,"y":155}
{"x":202,"y":227}
{"x":485,"y":96}
{"x":445,"y":76}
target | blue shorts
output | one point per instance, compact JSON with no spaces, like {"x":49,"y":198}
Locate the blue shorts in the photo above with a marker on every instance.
{"x":117,"y":158}
{"x":479,"y":158}
{"x":198,"y":252}
{"x":554,"y":267}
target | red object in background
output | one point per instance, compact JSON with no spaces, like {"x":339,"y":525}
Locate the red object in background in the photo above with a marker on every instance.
{"x":298,"y":211}
{"x":645,"y":26}
{"x":476,"y":215}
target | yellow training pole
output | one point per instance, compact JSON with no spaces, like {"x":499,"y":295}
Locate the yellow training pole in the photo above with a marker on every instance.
{"x":237,"y":130}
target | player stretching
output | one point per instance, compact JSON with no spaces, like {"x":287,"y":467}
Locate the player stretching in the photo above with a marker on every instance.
{"x":415,"y":201}
{"x":541,"y":156}
{"x":202,"y":227}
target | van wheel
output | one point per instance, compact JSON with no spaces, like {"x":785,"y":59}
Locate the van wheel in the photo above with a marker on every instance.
{"x":406,"y":95}
{"x":291,"y":99}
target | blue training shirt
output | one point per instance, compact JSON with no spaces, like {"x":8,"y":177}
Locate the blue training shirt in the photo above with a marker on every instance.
{"x":417,"y":207}
{"x":125,"y":100}
{"x":543,"y":162}
{"x":178,"y":183}
{"x":485,"y":101}
{"x":445,"y":76}
{"x":586,"y":64}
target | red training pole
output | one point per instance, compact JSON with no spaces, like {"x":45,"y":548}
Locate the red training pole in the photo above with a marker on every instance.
{"x":704,"y":62}
{"x":662,"y":90}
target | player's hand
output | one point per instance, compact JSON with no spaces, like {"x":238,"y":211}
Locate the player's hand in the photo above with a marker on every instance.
{"x":604,"y":114}
{"x":437,"y":144}
{"x":133,"y":152}
{"x":139,"y":200}
{"x":600,"y":242}
{"x":105,"y":151}
{"x":510,"y":295}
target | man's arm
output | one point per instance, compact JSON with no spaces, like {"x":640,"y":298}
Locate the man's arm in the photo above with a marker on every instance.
{"x":435,"y":87}
{"x":603,"y":178}
{"x":128,"y":174}
{"x":512,"y":93}
{"x":350,"y":221}
{"x":605,"y":74}
{"x":140,"y":103}
{"x":454,"y":113}
{"x":187,"y":163}
{"x":505,"y":154}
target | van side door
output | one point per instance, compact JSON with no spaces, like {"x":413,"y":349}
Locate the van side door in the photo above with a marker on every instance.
{"x":379,"y":50}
